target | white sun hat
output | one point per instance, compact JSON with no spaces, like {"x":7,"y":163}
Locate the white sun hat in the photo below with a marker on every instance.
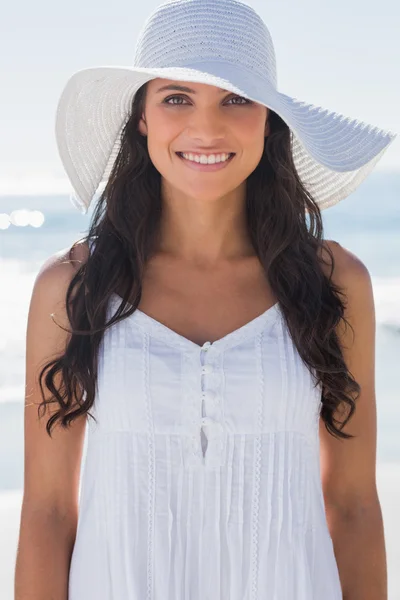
{"x":223,"y":43}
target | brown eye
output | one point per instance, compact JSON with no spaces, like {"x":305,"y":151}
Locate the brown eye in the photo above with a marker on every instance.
{"x":241,"y":98}
{"x":166,"y":101}
{"x":180,"y":97}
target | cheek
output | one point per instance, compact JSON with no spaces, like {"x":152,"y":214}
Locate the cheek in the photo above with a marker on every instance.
{"x":162,"y":138}
{"x":161,"y":151}
{"x":251,"y":139}
{"x":254,"y":130}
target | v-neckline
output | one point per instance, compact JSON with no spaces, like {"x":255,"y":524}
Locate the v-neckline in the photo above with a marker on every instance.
{"x":164,"y":333}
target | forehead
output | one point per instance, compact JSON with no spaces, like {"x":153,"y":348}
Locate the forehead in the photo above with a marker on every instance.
{"x":160,"y":85}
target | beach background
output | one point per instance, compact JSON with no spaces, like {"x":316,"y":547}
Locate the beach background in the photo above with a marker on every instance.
{"x":367,"y":223}
{"x":344,"y":57}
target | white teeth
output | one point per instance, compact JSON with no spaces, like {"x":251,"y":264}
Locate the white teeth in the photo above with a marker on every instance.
{"x":203,"y":159}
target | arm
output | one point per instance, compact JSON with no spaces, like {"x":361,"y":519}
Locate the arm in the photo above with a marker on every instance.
{"x":348,"y":466}
{"x":51,"y":465}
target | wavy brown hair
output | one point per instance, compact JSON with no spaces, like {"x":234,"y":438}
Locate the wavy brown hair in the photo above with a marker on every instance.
{"x":286,"y":230}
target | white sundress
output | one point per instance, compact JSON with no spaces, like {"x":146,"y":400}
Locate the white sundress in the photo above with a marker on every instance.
{"x":201,"y":479}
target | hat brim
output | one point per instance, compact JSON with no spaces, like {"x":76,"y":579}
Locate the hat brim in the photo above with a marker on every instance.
{"x":332,"y":153}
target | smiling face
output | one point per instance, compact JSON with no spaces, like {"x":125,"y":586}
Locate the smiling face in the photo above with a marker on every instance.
{"x":207,"y":120}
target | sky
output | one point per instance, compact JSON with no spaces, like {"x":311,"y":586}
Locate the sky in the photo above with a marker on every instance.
{"x":342,"y":55}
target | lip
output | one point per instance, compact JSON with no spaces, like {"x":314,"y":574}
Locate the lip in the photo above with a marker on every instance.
{"x":202,"y":167}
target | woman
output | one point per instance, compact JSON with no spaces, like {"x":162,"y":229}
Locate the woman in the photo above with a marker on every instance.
{"x":224,"y":349}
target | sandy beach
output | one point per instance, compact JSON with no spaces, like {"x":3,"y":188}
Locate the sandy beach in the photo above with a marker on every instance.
{"x":388,"y":478}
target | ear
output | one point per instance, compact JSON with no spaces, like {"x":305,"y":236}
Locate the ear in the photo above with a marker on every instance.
{"x":143,"y":126}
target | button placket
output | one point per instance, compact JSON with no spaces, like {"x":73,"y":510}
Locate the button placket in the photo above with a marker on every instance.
{"x":191,"y":411}
{"x":204,"y":439}
{"x":211,"y":398}
{"x":215,"y":442}
{"x":210,"y":378}
{"x":207,"y":369}
{"x":206,"y":346}
{"x":213,"y":428}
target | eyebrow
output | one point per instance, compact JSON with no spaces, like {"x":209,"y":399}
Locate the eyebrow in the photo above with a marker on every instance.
{"x":182,"y":88}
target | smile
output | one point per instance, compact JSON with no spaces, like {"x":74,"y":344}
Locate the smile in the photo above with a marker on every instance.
{"x":197,"y":166}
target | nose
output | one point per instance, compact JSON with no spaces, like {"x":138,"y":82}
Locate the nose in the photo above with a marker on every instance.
{"x":208,"y":125}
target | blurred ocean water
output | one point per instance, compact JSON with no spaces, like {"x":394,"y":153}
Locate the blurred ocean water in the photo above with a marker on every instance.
{"x":367,"y":223}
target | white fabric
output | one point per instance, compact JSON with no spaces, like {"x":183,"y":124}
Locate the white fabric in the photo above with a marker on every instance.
{"x":160,"y":521}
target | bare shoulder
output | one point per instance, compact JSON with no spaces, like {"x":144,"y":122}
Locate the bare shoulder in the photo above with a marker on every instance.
{"x":354,"y":280}
{"x":345,"y":260}
{"x":52,"y":281}
{"x":349,"y":270}
{"x":60,"y":267}
{"x":66,"y":260}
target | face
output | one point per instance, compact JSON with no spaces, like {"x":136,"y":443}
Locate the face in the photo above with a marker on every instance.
{"x":205,"y":120}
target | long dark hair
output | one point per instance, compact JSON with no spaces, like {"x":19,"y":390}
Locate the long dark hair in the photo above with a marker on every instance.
{"x":286,"y":230}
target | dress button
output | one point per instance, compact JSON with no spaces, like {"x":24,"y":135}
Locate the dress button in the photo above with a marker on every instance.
{"x":206,"y":346}
{"x":214,"y":427}
{"x":206,"y":369}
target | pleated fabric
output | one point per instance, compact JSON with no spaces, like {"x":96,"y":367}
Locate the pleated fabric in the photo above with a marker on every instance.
{"x":201,"y":479}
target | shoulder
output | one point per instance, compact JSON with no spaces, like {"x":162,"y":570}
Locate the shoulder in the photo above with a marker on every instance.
{"x":61,"y":266}
{"x":352,"y":277}
{"x":349,"y":271}
{"x":53,"y":278}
